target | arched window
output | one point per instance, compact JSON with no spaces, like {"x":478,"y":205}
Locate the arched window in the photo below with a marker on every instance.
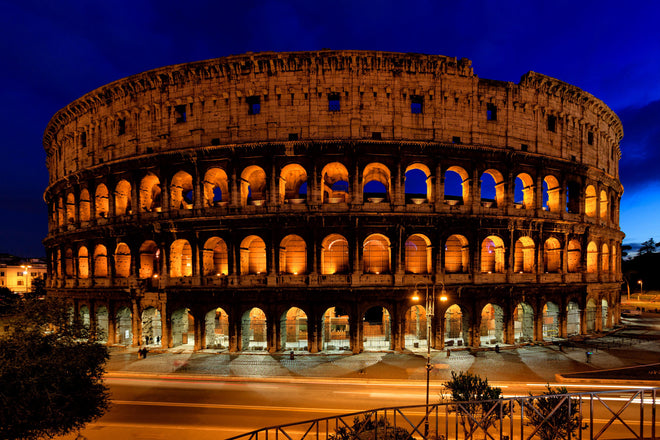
{"x":181,"y":259}
{"x":216,"y":187}
{"x":68,"y":262}
{"x":418,"y":254}
{"x":123,"y":198}
{"x":85,"y":206}
{"x":100,"y":261}
{"x":552,"y":255}
{"x":150,"y":193}
{"x":253,"y":186}
{"x":335,"y":183}
{"x":574,"y":256}
{"x":334,"y":255}
{"x":524,"y":191}
{"x":590,"y":201}
{"x":551,"y":192}
{"x":149,"y":259}
{"x":181,"y":191}
{"x":60,"y":212}
{"x":418,"y":184}
{"x":523,"y":257}
{"x":492,"y":255}
{"x":83,"y":263}
{"x":101,"y":201}
{"x":457,"y":254}
{"x":605,"y":258}
{"x":253,"y":255}
{"x":376,"y":254}
{"x":122,"y":261}
{"x":457,"y":186}
{"x":216,"y":257}
{"x":70,"y":208}
{"x":592,"y":258}
{"x":293,"y":255}
{"x":492,"y":188}
{"x":292,"y":178}
{"x":376,"y":182}
{"x":603,"y":205}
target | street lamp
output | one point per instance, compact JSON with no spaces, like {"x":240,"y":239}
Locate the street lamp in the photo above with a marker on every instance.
{"x":641,"y":287}
{"x":26,"y":267}
{"x":430,"y":311}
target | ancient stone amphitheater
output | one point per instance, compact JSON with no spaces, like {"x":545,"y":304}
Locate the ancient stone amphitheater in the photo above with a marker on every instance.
{"x":302,"y":201}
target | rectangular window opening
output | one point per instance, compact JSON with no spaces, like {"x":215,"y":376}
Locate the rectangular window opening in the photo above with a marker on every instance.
{"x":215,"y":141}
{"x":254,"y":105}
{"x":376,"y":135}
{"x":121,"y":124}
{"x":416,"y":104}
{"x":456,"y":140}
{"x":524,"y":147}
{"x":180,"y":114}
{"x":552,"y":123}
{"x":333,"y":102}
{"x":590,"y":138}
{"x":293,"y":136}
{"x":83,"y":139}
{"x":491,"y":112}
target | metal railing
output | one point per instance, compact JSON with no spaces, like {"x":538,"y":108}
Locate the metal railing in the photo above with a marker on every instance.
{"x":620,"y":414}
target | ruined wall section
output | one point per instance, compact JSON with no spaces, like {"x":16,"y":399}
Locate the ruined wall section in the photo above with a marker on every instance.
{"x":142,"y":114}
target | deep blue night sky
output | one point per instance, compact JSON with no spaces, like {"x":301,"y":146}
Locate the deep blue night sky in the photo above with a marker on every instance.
{"x":55,"y":51}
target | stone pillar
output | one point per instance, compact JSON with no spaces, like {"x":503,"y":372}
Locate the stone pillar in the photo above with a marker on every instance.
{"x":273,"y":187}
{"x":538,"y":197}
{"x":475,"y":330}
{"x":563,"y":323}
{"x":439,"y":189}
{"x":538,"y":325}
{"x":199,"y":331}
{"x":234,"y":332}
{"x":399,"y":198}
{"x":357,"y":191}
{"x":112,"y":325}
{"x":509,"y":327}
{"x":273,"y":335}
{"x":136,"y":324}
{"x":166,"y":326}
{"x":356,"y":332}
{"x":313,"y":335}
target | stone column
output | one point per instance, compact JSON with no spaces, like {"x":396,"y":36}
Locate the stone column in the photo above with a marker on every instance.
{"x":136,"y":323}
{"x":112,"y":325}
{"x":166,"y":326}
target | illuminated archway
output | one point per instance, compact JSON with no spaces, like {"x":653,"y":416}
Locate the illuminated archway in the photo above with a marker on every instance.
{"x":572,"y":319}
{"x":293,"y":330}
{"x":550,"y":320}
{"x":149,"y":259}
{"x":376,"y":182}
{"x":415,"y":332}
{"x":551,"y":192}
{"x":492,"y":325}
{"x":85,"y":206}
{"x":457,"y":186}
{"x":376,"y":254}
{"x":418,"y":254}
{"x":523,"y":323}
{"x":293,"y":255}
{"x":376,"y":329}
{"x":552,"y":255}
{"x":101,"y":201}
{"x":253,"y":255}
{"x":215,"y":256}
{"x":123,"y":198}
{"x":418,"y":185}
{"x":183,"y":328}
{"x":253,"y":186}
{"x":457,"y":254}
{"x":151,"y":326}
{"x":590,"y":201}
{"x":456,"y":326}
{"x":253,"y":330}
{"x":292,"y":179}
{"x":150,"y":193}
{"x":216,"y":187}
{"x":334,"y":178}
{"x":83,"y":263}
{"x":181,"y":191}
{"x":592,"y":257}
{"x":574,"y":256}
{"x":492,"y":255}
{"x":122,"y":261}
{"x":123,"y":326}
{"x":100,"y":261}
{"x":335,"y":330}
{"x":217,"y":329}
{"x":524,"y":191}
{"x":334,"y":255}
{"x":492,"y":187}
{"x":523,"y":257}
{"x":181,"y":259}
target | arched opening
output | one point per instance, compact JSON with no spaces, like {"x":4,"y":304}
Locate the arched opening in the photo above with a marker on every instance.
{"x":68,"y":263}
{"x":183,"y":328}
{"x":253,"y":186}
{"x":83,"y":316}
{"x":58,"y":264}
{"x":415,"y":331}
{"x":492,"y":188}
{"x":292,"y":178}
{"x":253,"y":255}
{"x":216,"y":187}
{"x":605,"y":258}
{"x":149,"y":259}
{"x":572,"y":319}
{"x":216,"y":257}
{"x":102,"y":319}
{"x":151,"y":326}
{"x":551,"y":192}
{"x":604,"y":310}
{"x":376,"y":329}
{"x":552,"y":255}
{"x":124,"y":327}
{"x":492,"y":255}
{"x":574,"y":256}
{"x":335,"y":330}
{"x":590,"y":315}
{"x":335,"y":183}
{"x":293,"y":255}
{"x":181,"y":191}
{"x":60,"y":212}
{"x":181,"y":259}
{"x":457,"y":186}
{"x":334,"y":255}
{"x":523,"y":323}
{"x":603,"y":205}
{"x":550,"y":320}
{"x":523,"y":257}
{"x":418,"y":254}
{"x":590,"y":201}
{"x":457,"y":254}
{"x":83,"y":263}
{"x":376,"y":182}
{"x":123,"y":198}
{"x":122,"y":261}
{"x":101,"y":201}
{"x":592,"y":257}
{"x":573,"y":197}
{"x":523,"y":193}
{"x":492,"y":325}
{"x":418,"y":184}
{"x":217,"y":329}
{"x":293,"y":330}
{"x":253,"y":330}
{"x":70,"y":209}
{"x":85,"y":206}
{"x":100,"y":261}
{"x":456,"y":326}
{"x":376,"y":254}
{"x":150,"y":193}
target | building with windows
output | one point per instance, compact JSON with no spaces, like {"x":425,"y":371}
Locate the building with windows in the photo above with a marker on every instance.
{"x":18,"y":274}
{"x":296,"y":201}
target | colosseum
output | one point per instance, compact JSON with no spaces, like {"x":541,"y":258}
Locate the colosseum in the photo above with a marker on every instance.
{"x":319,"y":201}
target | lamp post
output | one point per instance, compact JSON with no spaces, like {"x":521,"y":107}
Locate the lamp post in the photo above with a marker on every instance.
{"x":641,"y":287}
{"x":430,"y":312}
{"x":26,"y":268}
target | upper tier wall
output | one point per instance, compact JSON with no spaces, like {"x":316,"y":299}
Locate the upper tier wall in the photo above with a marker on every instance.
{"x":207,"y":103}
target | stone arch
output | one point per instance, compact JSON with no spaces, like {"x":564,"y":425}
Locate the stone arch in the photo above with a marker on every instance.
{"x":376,"y":254}
{"x":85,"y":206}
{"x":334,"y":177}
{"x":604,"y":205}
{"x":551,"y":192}
{"x":183,"y":328}
{"x":217,"y":329}
{"x":181,"y":191}
{"x":524,"y":191}
{"x":150,"y":193}
{"x":592,"y":257}
{"x":253,"y":255}
{"x":100,"y":261}
{"x":552,"y":255}
{"x":590,"y":201}
{"x":492,"y":325}
{"x":70,"y":208}
{"x":572,"y":319}
{"x":101,"y":201}
{"x":124,"y":326}
{"x":215,"y":257}
{"x":149,"y":259}
{"x":590,"y":316}
{"x":376,"y":182}
{"x":335,"y":330}
{"x":415,"y":329}
{"x":122,"y":261}
{"x":102,"y":321}
{"x":457,"y":324}
{"x":457,"y":254}
{"x":68,"y":262}
{"x":574,"y":256}
{"x":376,"y":329}
{"x":550,"y":320}
{"x":152,"y":331}
{"x":523,"y":256}
{"x":293,"y":330}
{"x":457,"y":186}
{"x":418,"y":184}
{"x":334,"y":255}
{"x":84,"y":316}
{"x":83,"y":263}
{"x":293,"y":255}
{"x":604,"y":312}
{"x":418,"y":254}
{"x":253,"y":186}
{"x":123,"y":198}
{"x":523,"y":323}
{"x":292,"y":178}
{"x":181,"y":259}
{"x":605,"y":258}
{"x":60,"y":212}
{"x":492,"y":255}
{"x":216,"y":187}
{"x":492,"y":188}
{"x":254,"y":330}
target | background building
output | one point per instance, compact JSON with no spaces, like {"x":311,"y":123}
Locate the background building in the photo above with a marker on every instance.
{"x":280,"y":201}
{"x":17,"y":274}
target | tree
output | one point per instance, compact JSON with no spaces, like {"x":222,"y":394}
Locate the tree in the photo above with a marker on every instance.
{"x":477,"y":403}
{"x":50,"y":373}
{"x":8,"y":301}
{"x":551,"y":415}
{"x":648,"y":247}
{"x":363,"y":429}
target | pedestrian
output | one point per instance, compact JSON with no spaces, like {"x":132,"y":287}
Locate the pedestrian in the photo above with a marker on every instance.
{"x":144,"y":352}
{"x":497,"y":348}
{"x":588,"y":357}
{"x":448,"y":352}
{"x":291,"y":355}
{"x":140,"y":353}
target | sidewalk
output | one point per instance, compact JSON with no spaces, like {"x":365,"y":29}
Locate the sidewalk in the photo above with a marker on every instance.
{"x":533,"y":363}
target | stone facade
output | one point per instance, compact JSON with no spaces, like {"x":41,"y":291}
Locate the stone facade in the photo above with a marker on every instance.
{"x":296,"y":200}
